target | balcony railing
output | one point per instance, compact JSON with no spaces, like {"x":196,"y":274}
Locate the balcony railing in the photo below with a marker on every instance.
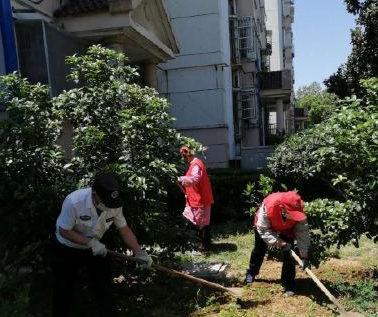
{"x":276,"y":80}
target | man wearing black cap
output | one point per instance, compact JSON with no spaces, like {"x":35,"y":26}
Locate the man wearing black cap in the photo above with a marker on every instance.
{"x":85,"y":216}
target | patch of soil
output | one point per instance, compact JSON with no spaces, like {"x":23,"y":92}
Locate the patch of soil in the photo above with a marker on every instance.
{"x":156,"y":294}
{"x":309,"y":300}
{"x":348,"y":269}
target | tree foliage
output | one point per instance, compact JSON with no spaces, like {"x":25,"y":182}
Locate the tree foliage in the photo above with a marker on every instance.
{"x":32,"y":182}
{"x":320,"y":103}
{"x":362,"y":63}
{"x":342,"y":151}
{"x":118,"y":126}
{"x":31,"y":163}
{"x":124,"y":128}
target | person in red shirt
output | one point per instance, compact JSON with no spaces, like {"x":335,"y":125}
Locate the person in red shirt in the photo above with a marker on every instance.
{"x":278,"y":222}
{"x":199,"y":197}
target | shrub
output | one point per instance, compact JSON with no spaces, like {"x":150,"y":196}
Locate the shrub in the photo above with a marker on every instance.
{"x":342,"y":152}
{"x":31,"y":165}
{"x":124,"y":128}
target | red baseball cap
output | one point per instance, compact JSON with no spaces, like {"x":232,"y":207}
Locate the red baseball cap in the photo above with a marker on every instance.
{"x":293,"y":204}
{"x":185,"y":151}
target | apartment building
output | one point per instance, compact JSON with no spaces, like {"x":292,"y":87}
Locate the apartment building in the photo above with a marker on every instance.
{"x":250,"y":53}
{"x":213,"y":83}
{"x":277,"y":84}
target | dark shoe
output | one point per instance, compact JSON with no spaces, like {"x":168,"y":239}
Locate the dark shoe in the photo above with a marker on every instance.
{"x":288,"y":292}
{"x":249,"y":278}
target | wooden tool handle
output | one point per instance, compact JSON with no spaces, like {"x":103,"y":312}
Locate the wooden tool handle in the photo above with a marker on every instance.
{"x":172,"y":272}
{"x":320,"y":284}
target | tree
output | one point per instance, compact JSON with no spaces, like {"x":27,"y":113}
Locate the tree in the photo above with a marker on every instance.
{"x":32,"y":186}
{"x":124,"y":128}
{"x":343,"y":152}
{"x":318,"y":101}
{"x":119,"y":126}
{"x":362,"y":63}
{"x":31,"y":165}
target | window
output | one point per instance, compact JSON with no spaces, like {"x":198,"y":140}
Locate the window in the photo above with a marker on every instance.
{"x":232,"y":7}
{"x":31,"y":52}
{"x":35,"y":40}
{"x":234,"y":41}
{"x":249,"y":103}
{"x":236,"y":79}
{"x":246,"y":39}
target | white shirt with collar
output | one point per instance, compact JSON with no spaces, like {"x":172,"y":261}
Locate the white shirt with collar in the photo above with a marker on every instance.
{"x":78,"y":213}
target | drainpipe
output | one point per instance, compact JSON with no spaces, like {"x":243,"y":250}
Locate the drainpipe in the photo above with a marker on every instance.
{"x":7,"y":33}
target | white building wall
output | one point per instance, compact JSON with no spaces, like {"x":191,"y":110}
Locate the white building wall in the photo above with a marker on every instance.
{"x":273,"y":10}
{"x":227,"y":75}
{"x":198,"y":82}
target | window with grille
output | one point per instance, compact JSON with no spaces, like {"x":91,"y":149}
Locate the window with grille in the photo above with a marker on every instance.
{"x":246,"y":39}
{"x":234,"y":41}
{"x":249,"y":104}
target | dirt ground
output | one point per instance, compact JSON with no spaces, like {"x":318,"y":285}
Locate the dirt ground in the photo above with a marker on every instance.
{"x":162,"y":296}
{"x":270,"y":301}
{"x":141,"y":293}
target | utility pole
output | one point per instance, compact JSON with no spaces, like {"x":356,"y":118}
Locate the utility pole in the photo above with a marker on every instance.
{"x":7,"y":34}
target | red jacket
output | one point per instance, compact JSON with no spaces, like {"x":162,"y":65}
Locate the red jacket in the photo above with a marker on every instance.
{"x":199,"y":195}
{"x":283,"y":205}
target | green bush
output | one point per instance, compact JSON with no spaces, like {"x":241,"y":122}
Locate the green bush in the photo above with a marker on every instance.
{"x":31,"y":166}
{"x":119,"y":127}
{"x":342,"y":152}
{"x":124,"y":128}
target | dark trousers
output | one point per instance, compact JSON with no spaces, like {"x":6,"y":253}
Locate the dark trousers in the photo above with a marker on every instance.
{"x":205,"y":237}
{"x":67,"y":263}
{"x":204,"y":233}
{"x":257,"y":258}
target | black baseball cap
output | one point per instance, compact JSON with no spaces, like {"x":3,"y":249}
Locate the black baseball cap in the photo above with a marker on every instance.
{"x":107,"y":187}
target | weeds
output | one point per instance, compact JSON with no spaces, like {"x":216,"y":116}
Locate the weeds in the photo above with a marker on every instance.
{"x":361,"y":295}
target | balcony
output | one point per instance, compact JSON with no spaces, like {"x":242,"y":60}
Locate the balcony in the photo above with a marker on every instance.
{"x":276,"y":80}
{"x":277,"y":84}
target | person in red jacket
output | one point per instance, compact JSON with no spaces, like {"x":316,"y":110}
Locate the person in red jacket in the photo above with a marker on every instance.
{"x":278,"y":222}
{"x":199,"y":197}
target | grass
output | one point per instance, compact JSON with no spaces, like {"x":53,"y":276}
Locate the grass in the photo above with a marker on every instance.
{"x":353,"y":284}
{"x":367,"y":253}
{"x":351,"y":278}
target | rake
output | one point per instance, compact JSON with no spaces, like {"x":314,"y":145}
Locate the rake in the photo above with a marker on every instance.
{"x":234,"y":291}
{"x":332,"y":298}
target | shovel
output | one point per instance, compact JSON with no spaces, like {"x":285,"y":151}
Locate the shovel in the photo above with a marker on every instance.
{"x":234,"y":291}
{"x":332,"y":298}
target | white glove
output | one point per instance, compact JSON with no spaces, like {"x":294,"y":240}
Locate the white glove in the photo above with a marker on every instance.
{"x":97,"y":247}
{"x":143,"y":255}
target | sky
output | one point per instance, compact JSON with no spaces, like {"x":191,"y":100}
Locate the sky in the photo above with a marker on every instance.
{"x":321,"y":39}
